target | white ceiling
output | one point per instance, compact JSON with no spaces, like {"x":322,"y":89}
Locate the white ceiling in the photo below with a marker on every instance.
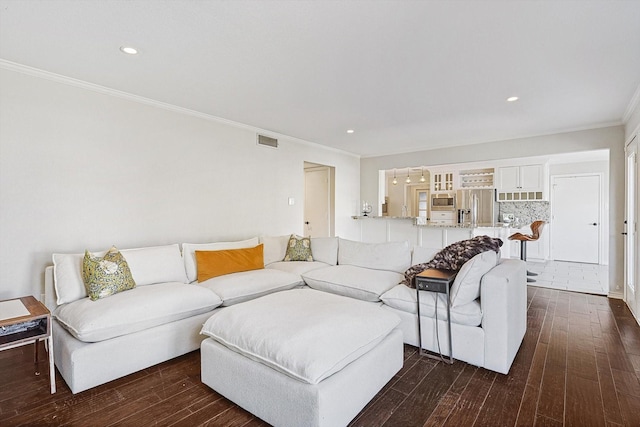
{"x":406,"y":75}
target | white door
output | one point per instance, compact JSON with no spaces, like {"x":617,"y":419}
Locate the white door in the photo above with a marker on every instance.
{"x":317,"y":202}
{"x":631,"y":241}
{"x":420,"y":205}
{"x":575,"y":218}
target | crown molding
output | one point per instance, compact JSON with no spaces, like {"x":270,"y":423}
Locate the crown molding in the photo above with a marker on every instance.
{"x":633,"y":104}
{"x":36,"y":72}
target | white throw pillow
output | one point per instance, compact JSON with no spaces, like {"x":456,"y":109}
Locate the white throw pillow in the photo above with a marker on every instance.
{"x":466,"y":287}
{"x":275,"y":248}
{"x":189,"y":252}
{"x":391,"y":256}
{"x":351,"y":281}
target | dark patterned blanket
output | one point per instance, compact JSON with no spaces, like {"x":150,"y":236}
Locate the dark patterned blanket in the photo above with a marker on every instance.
{"x":454,"y":256}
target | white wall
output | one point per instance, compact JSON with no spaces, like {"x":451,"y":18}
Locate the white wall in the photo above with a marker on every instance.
{"x":83,"y":169}
{"x":611,"y":138}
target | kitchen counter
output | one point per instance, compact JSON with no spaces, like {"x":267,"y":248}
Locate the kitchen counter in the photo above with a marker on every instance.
{"x":467,"y":225}
{"x":435,"y":235}
{"x":381,"y":217}
{"x":435,"y":224}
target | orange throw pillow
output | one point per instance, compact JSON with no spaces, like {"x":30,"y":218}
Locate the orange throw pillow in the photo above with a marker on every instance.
{"x":217,"y":263}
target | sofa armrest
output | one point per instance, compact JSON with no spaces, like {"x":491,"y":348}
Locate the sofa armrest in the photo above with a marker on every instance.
{"x":503,"y":295}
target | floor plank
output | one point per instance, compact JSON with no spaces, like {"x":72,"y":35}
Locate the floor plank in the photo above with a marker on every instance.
{"x":578,"y":365}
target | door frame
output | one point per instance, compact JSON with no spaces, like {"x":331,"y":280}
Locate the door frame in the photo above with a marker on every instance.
{"x":603,"y":258}
{"x":313,"y":167}
{"x":632,"y":301}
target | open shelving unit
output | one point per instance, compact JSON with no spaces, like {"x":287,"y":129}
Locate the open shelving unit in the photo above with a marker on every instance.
{"x":477,"y":178}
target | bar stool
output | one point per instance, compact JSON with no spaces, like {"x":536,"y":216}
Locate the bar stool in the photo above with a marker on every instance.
{"x":536,"y":229}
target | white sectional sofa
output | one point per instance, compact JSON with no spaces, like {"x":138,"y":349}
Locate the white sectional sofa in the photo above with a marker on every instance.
{"x":161,"y":318}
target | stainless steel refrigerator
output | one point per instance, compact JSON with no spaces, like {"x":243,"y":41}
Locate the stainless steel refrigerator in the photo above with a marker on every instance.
{"x":487,"y":206}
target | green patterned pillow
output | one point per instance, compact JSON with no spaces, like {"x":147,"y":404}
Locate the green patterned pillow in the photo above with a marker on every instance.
{"x":298,"y":249}
{"x":107,"y":275}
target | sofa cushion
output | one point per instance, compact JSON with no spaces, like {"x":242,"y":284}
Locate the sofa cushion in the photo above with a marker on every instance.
{"x":106,"y":275}
{"x":306,"y":334}
{"x":156,"y":264}
{"x":421,"y":255}
{"x":275,"y":248}
{"x":135,"y":310}
{"x":298,"y":249}
{"x":217,"y":263}
{"x":325,"y":249}
{"x":238,"y":287}
{"x":466,"y":286}
{"x":355,"y":282}
{"x":297,"y":267}
{"x":391,"y":256}
{"x":403,"y":298}
{"x":189,"y":252}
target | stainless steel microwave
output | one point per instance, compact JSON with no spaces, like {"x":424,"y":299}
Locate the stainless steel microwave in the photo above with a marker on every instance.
{"x":443,"y":202}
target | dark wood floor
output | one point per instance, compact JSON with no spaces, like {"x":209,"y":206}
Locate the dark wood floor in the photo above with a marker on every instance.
{"x":579,"y":365}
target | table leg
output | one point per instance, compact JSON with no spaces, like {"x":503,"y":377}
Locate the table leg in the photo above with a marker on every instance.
{"x":449,"y":330}
{"x":449,"y":326}
{"x":35,"y":357}
{"x":419,"y":322}
{"x":52,"y":367}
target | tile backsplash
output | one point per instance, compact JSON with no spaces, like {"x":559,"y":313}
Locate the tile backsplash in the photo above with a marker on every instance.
{"x":526,"y":212}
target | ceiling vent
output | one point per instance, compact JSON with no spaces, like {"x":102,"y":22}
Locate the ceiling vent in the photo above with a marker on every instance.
{"x":267,"y":141}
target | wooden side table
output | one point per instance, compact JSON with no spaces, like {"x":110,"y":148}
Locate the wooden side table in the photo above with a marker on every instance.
{"x":30,"y":327}
{"x":439,"y":281}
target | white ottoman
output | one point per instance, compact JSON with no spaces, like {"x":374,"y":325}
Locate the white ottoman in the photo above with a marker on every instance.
{"x":301,"y":357}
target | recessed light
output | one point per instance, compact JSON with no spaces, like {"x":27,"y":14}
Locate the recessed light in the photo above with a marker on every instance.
{"x":129,"y":50}
{"x":350,"y":131}
{"x":512,"y":98}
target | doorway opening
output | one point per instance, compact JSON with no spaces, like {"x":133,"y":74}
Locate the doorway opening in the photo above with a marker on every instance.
{"x":319,"y":200}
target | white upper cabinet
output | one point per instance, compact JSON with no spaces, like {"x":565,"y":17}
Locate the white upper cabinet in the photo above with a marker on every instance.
{"x":517,"y":183}
{"x":515,"y":178}
{"x":531,"y":177}
{"x":441,"y":181}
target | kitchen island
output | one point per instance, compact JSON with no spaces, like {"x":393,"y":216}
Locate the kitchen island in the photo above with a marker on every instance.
{"x":377,"y":229}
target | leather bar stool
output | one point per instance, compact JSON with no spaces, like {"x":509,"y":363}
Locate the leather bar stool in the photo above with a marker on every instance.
{"x":536,"y":229}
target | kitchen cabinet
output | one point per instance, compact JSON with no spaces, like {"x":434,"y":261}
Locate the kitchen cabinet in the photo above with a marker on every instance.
{"x":476,"y":178}
{"x":442,"y":181}
{"x":442,"y":217}
{"x":520,"y":183}
{"x":519,"y":178}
